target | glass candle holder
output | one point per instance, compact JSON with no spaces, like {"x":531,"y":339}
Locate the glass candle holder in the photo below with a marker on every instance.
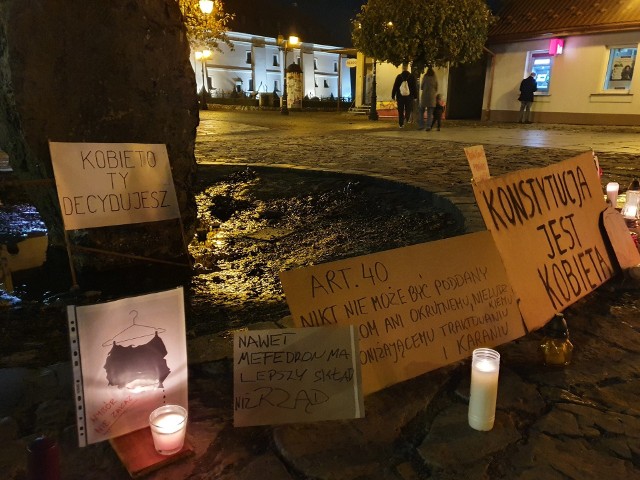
{"x":485,"y":367}
{"x":630,"y":209}
{"x":612,"y":193}
{"x":168,"y":427}
{"x":556,"y":347}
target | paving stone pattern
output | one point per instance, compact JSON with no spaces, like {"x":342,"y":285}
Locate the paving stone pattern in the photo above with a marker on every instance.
{"x":579,"y":422}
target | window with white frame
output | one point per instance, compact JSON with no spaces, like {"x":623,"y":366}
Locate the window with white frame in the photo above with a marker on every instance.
{"x":622,"y":61}
{"x":335,"y":66}
{"x":276,"y":62}
{"x":248,"y":56}
{"x":540,"y":63}
{"x":275,"y":86}
{"x":315,"y":63}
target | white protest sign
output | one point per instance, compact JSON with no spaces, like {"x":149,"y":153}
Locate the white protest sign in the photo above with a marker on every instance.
{"x":130,"y":357}
{"x":545,"y":222}
{"x":477,"y":162}
{"x":415,"y":308}
{"x":103,"y":184}
{"x":296,"y":375}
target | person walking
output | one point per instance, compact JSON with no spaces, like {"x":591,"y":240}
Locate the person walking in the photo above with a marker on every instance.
{"x":403,"y":92}
{"x":438,"y":112}
{"x":428,"y":91}
{"x":527,"y":87}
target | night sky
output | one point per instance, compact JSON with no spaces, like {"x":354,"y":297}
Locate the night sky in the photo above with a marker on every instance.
{"x":317,"y":21}
{"x":334,"y":15}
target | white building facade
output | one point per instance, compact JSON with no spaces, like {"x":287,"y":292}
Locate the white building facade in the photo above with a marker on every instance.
{"x":255,"y":65}
{"x":589,"y":80}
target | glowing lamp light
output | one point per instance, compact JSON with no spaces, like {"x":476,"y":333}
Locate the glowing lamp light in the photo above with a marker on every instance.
{"x":293,"y":40}
{"x":556,"y":46}
{"x":203,"y":55}
{"x":206,"y":6}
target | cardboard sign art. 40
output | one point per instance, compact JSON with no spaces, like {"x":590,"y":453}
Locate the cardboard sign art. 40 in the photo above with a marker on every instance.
{"x":415,"y":308}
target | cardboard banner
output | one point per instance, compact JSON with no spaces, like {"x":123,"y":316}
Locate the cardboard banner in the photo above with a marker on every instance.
{"x":415,"y":308}
{"x":623,"y":245}
{"x":545,"y":223}
{"x":130,"y":357}
{"x":296,"y":375}
{"x":104,"y":184}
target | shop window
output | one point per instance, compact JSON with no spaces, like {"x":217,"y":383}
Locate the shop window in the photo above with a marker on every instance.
{"x":251,"y":84}
{"x":275,"y":86}
{"x":298,"y":60}
{"x":541,"y":63}
{"x":620,"y":68}
{"x":248,"y":56}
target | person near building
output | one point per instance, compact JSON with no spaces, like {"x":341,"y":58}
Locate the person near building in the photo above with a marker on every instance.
{"x":527,"y":87}
{"x":403,"y":92}
{"x":428,"y":91}
{"x":438,"y":112}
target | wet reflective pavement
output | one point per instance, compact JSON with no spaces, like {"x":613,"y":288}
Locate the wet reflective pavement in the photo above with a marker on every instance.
{"x":577,"y":422}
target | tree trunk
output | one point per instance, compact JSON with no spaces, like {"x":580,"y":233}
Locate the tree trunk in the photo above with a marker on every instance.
{"x":95,"y":71}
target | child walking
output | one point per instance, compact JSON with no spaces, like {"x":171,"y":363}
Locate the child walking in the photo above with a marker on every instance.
{"x":438,"y":112}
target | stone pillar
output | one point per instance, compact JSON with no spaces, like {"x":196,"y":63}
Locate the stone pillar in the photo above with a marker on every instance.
{"x":112,"y":71}
{"x":294,"y":86}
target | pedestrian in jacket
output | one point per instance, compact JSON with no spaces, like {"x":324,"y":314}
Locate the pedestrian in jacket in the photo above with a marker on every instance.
{"x":428,"y":91}
{"x":404,"y":101}
{"x":527,"y":87}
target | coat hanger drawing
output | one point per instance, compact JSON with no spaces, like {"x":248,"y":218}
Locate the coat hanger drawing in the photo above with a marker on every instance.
{"x":113,"y":341}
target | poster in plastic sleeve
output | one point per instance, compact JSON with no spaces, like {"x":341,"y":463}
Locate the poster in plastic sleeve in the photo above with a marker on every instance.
{"x":129,"y":357}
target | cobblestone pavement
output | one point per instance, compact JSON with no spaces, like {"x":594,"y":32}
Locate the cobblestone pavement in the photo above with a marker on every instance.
{"x":580,"y":422}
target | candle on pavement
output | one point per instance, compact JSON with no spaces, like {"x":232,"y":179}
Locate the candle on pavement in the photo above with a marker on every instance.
{"x":485,"y":367}
{"x":168,"y":427}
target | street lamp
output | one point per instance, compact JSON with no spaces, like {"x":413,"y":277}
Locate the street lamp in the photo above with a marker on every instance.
{"x":373,"y":112}
{"x":202,"y":56}
{"x":292,"y":40}
{"x":206,"y":6}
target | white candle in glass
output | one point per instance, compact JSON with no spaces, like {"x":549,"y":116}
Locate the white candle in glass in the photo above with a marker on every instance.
{"x":630,"y":209}
{"x":485,"y":367}
{"x":168,"y":427}
{"x":631,"y":212}
{"x":612,"y":193}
